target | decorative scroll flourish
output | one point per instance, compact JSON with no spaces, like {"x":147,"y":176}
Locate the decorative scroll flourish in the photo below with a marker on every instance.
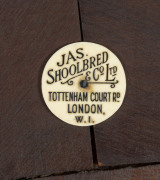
{"x":69,"y":81}
{"x":112,"y":83}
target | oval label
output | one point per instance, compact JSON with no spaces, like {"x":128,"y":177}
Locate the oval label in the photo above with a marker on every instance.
{"x":83,"y":83}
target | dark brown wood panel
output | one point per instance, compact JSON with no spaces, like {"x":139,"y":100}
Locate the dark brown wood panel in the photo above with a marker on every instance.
{"x":32,"y":141}
{"x":141,"y":173}
{"x":131,"y":30}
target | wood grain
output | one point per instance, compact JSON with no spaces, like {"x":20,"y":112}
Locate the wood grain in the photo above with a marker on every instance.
{"x":130,"y":29}
{"x":33,"y":141}
{"x":141,"y":173}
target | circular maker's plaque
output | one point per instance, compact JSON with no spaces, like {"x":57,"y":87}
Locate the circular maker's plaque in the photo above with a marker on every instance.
{"x":83,"y":83}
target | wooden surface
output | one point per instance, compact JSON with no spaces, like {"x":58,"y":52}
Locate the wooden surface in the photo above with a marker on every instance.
{"x":32,"y":141}
{"x":141,"y":173}
{"x":131,"y":30}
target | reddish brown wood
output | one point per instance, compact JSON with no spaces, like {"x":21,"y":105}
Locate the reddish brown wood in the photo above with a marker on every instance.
{"x":131,"y":30}
{"x":32,"y":140}
{"x":141,"y":173}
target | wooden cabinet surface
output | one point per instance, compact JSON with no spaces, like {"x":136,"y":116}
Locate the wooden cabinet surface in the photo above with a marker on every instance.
{"x":35,"y":144}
